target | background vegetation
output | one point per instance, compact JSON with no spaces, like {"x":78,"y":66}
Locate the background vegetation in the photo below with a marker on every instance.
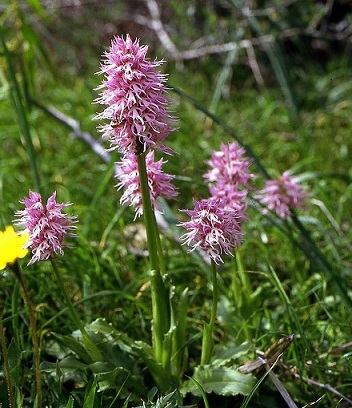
{"x":278,"y":75}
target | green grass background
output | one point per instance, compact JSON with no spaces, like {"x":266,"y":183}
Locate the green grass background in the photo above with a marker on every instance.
{"x":281,"y":291}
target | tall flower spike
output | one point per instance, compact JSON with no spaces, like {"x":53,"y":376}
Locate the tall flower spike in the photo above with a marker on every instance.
{"x":159,"y":182}
{"x":12,"y":246}
{"x":136,"y":96}
{"x":47,"y":226}
{"x":213,"y":228}
{"x":281,"y":195}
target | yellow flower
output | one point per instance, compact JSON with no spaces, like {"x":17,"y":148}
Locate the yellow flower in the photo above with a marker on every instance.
{"x":11,"y":246}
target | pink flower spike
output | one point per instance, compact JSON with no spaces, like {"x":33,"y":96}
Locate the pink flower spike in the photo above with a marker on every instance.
{"x":136,"y":98}
{"x":281,"y":195}
{"x":231,"y":197}
{"x":213,"y":228}
{"x":159,"y":182}
{"x":229,"y":176}
{"x":47,"y":226}
{"x":229,"y":166}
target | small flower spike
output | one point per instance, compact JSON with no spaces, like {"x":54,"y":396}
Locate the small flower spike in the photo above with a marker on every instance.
{"x":229,"y":166}
{"x":47,"y":226}
{"x":229,"y":176}
{"x":281,"y":195}
{"x":12,"y":246}
{"x":136,"y":98}
{"x":213,"y":228}
{"x":159,"y":182}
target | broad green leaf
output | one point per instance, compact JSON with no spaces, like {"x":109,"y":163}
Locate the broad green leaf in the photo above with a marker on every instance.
{"x":220,"y":380}
{"x":138,"y":348}
{"x":228,"y":354}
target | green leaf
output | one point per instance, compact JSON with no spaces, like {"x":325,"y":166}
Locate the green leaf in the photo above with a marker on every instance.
{"x":109,"y":377}
{"x":228,"y":354}
{"x":179,"y":339}
{"x":167,"y":347}
{"x":145,"y":352}
{"x":70,"y":402}
{"x":89,"y":402}
{"x":220,"y":380}
{"x":137,"y":348}
{"x":202,"y":392}
{"x":102,"y":326}
{"x":107,"y":380}
{"x":74,"y":345}
{"x":67,"y":365}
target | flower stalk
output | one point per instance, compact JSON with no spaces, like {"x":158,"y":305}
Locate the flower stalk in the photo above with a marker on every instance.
{"x":208,"y":340}
{"x":160,"y":301}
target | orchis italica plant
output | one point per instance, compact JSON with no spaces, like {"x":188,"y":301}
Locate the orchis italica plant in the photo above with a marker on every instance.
{"x":281,"y":195}
{"x":216,"y":230}
{"x":229,"y":176}
{"x":48,"y":226}
{"x":158,"y":181}
{"x":138,"y":119}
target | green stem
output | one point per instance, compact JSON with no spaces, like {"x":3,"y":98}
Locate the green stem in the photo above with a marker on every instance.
{"x":160,"y":301}
{"x":159,"y":249}
{"x":214,"y":308}
{"x":208,"y":341}
{"x":7,"y":366}
{"x":148,"y":213}
{"x":32,"y":322}
{"x":91,"y":348}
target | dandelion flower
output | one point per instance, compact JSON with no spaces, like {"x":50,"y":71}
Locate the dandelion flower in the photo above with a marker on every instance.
{"x":136,"y":98}
{"x":213,"y":228}
{"x":12,"y":246}
{"x":281,"y":195}
{"x":158,"y":181}
{"x":47,"y":226}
